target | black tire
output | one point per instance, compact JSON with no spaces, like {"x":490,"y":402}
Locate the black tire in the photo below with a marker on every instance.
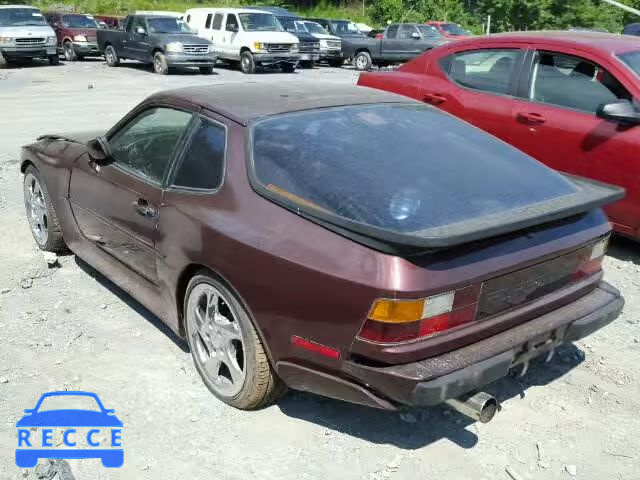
{"x":288,"y":67}
{"x":306,"y":64}
{"x":261,"y":386}
{"x":111,"y":56}
{"x":4,"y":63}
{"x":336,"y":62}
{"x":362,"y":61}
{"x":160,"y":65}
{"x":247,"y":63}
{"x":206,"y":70}
{"x":69,"y":52}
{"x":55,"y":241}
{"x":54,"y":59}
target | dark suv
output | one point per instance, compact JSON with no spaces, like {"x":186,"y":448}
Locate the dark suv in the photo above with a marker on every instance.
{"x":76,"y":34}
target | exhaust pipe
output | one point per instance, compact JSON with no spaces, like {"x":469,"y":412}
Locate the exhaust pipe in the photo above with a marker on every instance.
{"x":480,"y":406}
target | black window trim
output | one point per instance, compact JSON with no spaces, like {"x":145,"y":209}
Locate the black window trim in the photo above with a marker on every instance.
{"x":176,"y":149}
{"x":527,"y":79}
{"x":198,"y":120}
{"x":513,"y":85}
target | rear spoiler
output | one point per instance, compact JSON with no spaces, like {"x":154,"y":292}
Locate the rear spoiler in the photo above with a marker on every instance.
{"x":589,"y":196}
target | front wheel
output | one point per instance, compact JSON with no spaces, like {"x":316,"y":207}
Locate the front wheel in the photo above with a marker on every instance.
{"x":69,"y":53}
{"x":41,"y":215}
{"x":4,"y":63}
{"x":160,"y":65}
{"x":288,"y":67}
{"x":206,"y":70}
{"x":306,"y":64}
{"x":111,"y":56}
{"x":362,"y":61}
{"x":54,"y":59}
{"x":247,"y":63}
{"x":226,"y":348}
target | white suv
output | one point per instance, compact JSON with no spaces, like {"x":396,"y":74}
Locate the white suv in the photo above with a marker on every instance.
{"x":251,"y":37}
{"x":25,"y":34}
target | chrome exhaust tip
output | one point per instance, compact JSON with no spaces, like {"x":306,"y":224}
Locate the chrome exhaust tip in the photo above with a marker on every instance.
{"x":480,"y":406}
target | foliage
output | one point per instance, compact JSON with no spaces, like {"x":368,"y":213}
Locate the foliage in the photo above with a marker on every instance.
{"x":506,"y":15}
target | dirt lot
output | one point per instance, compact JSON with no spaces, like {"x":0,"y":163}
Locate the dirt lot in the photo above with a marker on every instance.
{"x":70,"y":328}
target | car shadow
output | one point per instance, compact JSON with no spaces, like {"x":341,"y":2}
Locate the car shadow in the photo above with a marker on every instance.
{"x":132,"y":303}
{"x":35,"y":63}
{"x":624,"y":249}
{"x":259,"y":70}
{"x":147,"y":68}
{"x":422,"y":426}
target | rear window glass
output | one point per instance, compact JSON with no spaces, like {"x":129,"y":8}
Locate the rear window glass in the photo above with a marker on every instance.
{"x":397,"y":167}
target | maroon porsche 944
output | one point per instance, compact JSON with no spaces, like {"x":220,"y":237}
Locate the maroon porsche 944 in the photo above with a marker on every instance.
{"x":335,"y":239}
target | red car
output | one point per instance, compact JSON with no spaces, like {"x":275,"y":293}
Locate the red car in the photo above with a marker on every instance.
{"x":449,"y":30}
{"x":565,"y":98}
{"x":76,"y":34}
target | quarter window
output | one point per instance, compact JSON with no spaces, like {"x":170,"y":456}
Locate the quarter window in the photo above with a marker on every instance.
{"x":202,"y":164}
{"x":573,"y":82}
{"x":489,"y":70}
{"x":145,"y":145}
{"x":217,"y":21}
{"x":207,"y":23}
{"x":392,"y":31}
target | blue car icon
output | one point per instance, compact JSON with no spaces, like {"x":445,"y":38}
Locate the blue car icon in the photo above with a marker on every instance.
{"x":28,"y":457}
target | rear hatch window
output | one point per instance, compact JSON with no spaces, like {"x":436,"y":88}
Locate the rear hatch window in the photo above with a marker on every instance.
{"x":407,"y":174}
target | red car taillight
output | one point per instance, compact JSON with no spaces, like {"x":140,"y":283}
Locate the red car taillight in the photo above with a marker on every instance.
{"x":379,"y":35}
{"x":396,"y":321}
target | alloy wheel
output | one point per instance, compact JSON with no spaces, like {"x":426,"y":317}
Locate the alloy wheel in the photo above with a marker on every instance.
{"x":37,"y":213}
{"x":361,"y":62}
{"x":216,"y":339}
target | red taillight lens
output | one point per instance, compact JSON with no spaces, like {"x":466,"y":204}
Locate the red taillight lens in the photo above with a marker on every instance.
{"x":591,"y":261}
{"x":379,"y":35}
{"x":393,"y":321}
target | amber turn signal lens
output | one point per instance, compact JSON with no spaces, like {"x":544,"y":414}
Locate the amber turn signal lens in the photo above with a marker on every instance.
{"x":397,"y":311}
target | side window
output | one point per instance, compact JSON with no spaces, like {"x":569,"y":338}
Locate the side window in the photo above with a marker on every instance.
{"x":217,"y":21}
{"x":573,"y":82}
{"x":392,"y":31}
{"x":232,"y":23}
{"x":406,"y":31}
{"x":145,"y":145}
{"x":489,"y":70}
{"x":207,"y":23}
{"x":128,"y":24}
{"x":202,"y":165}
{"x":136,"y":22}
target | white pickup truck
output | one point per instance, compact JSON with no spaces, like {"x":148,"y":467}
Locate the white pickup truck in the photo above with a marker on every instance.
{"x":251,"y":37}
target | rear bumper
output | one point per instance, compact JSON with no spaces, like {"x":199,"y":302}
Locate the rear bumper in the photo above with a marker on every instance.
{"x":29,"y":51}
{"x":186,"y":60}
{"x":434,"y":380}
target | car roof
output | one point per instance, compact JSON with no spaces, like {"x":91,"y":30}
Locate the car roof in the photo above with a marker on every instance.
{"x":227,"y":10}
{"x":610,"y":42}
{"x":244,"y":102}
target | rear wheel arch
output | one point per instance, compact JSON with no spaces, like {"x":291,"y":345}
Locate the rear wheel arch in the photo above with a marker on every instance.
{"x":195,"y":269}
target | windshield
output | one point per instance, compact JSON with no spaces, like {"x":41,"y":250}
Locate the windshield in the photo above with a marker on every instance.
{"x":79,"y":21}
{"x":454,"y":29}
{"x":67,"y":402}
{"x":428,"y":31}
{"x":398,"y":167}
{"x":15,"y":17}
{"x":632,"y":60}
{"x":345,"y":27}
{"x":313,"y":27}
{"x":290,"y":24}
{"x":167,"y":25}
{"x":259,"y":22}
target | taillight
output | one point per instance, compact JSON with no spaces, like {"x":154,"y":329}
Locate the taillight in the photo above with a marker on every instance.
{"x":391,"y":321}
{"x":379,"y":35}
{"x":397,"y":320}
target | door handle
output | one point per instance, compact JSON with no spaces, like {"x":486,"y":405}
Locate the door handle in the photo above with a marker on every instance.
{"x":532,"y":118}
{"x":434,"y":98}
{"x":143,"y":208}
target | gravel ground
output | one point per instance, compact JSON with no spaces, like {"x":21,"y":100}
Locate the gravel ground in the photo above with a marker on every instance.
{"x":70,"y":328}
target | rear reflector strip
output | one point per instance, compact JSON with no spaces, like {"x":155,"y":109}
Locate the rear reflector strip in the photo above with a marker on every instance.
{"x":315,"y":347}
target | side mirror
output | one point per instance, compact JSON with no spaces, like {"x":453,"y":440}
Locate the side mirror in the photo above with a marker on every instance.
{"x":99,"y":149}
{"x":416,"y":36}
{"x":622,"y":111}
{"x":141,"y":31}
